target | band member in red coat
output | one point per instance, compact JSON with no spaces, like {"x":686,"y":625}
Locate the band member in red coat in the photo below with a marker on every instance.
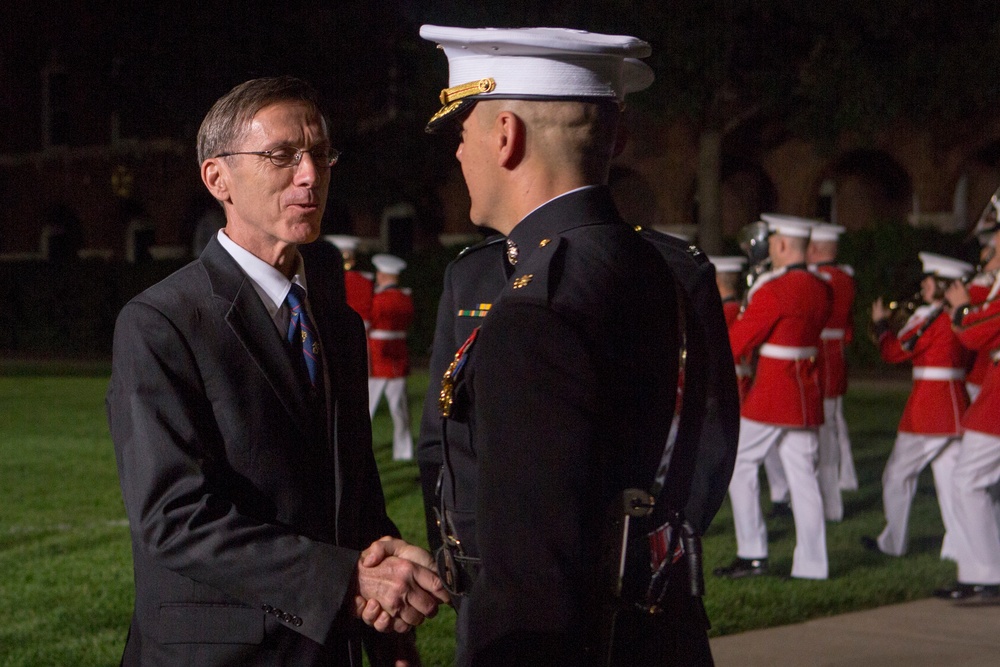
{"x":728,"y":271}
{"x":836,"y":464}
{"x":984,"y":286}
{"x":786,"y":310}
{"x":358,"y":285}
{"x":392,"y":315}
{"x":929,"y":429}
{"x":976,"y":535}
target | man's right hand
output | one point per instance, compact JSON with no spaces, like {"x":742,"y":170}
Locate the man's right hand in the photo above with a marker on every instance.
{"x":397,"y":586}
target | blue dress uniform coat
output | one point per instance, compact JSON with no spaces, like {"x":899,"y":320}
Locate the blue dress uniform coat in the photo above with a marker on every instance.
{"x":710,"y":413}
{"x":472,"y":282}
{"x":568,"y":394}
{"x":248,"y":497}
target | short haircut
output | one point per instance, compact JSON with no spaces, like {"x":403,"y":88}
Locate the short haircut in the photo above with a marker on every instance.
{"x":581,"y":133}
{"x":227,"y":122}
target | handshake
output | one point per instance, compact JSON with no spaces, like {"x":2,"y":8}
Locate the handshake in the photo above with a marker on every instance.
{"x":397,"y":586}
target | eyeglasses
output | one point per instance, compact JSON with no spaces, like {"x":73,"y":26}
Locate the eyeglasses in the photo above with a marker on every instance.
{"x":290,"y":156}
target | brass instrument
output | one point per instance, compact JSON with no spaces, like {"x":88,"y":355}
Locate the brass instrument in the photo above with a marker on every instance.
{"x":752,"y":240}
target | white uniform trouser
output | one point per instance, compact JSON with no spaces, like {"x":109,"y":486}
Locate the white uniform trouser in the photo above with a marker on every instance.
{"x":911,"y":454}
{"x":829,"y":469}
{"x":977,"y":538}
{"x":798,"y":449}
{"x":395,"y":396}
{"x":833,"y":412}
{"x":777,"y":483}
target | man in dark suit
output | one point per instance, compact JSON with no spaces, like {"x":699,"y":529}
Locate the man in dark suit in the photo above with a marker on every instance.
{"x":568,"y":389}
{"x":240,"y":424}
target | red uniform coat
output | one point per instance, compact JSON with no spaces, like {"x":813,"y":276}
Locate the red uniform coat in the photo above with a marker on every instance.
{"x":787,"y":309}
{"x":935,"y":406}
{"x":744,"y":369}
{"x":981,"y":289}
{"x":359,"y":289}
{"x":838,"y":332}
{"x":392,"y":314}
{"x":980,"y":330}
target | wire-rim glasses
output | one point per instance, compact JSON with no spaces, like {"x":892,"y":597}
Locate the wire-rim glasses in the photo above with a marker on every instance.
{"x":290,"y":156}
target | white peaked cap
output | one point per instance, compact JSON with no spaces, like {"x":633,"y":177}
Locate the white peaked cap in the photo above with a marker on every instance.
{"x":788,"y":225}
{"x":731,"y":264}
{"x":824,"y":231}
{"x":343,"y":241}
{"x":388,"y":264}
{"x":535,"y":63}
{"x":945,"y":267}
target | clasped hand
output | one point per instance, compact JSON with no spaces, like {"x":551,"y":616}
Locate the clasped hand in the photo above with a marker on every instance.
{"x":398,"y":586}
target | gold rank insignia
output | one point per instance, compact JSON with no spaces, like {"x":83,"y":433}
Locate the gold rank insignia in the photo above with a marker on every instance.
{"x":523,"y":280}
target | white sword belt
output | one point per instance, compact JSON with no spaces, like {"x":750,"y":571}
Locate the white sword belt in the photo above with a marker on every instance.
{"x":787,"y":352}
{"x":384,"y":334}
{"x":938,"y":373}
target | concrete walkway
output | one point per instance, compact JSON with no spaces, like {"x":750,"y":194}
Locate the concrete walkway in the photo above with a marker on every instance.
{"x":927,"y":633}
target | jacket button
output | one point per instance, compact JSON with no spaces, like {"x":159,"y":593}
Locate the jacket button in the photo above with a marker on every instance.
{"x":296,"y":621}
{"x":267,"y":609}
{"x":286,"y":617}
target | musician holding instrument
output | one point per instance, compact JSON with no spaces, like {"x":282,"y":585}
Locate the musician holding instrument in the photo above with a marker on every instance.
{"x":787,"y":308}
{"x":930,"y":429}
{"x":977,"y":469}
{"x":984,"y":286}
{"x":834,"y":339}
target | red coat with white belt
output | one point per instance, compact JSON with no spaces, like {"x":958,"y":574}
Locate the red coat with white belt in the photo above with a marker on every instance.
{"x":839,"y":330}
{"x":359,"y":289}
{"x":979,"y":330}
{"x":983,"y":287}
{"x":392,"y":315}
{"x":787,"y":309}
{"x":938,"y":398}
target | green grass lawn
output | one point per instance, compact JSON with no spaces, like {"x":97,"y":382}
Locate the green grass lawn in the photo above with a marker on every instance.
{"x":66,"y":564}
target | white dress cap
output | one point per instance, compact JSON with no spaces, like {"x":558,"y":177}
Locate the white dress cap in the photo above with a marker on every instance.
{"x":945,"y":267}
{"x":343,"y":241}
{"x":788,"y":225}
{"x":535,"y":63}
{"x":826,"y":232}
{"x":390,"y":264}
{"x":729,"y":264}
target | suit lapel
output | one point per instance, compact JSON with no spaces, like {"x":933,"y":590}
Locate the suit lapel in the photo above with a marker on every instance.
{"x":248,"y":319}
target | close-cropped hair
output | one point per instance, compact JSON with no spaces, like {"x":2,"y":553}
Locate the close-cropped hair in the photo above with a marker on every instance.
{"x":229,"y":119}
{"x":570,"y":132}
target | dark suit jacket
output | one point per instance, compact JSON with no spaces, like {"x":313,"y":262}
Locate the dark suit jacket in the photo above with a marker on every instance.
{"x":248,"y":498}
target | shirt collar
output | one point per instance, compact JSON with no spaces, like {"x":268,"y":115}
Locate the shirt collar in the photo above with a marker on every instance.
{"x":271,"y":284}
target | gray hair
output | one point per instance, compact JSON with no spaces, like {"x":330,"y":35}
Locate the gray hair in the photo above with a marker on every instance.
{"x":229,"y":118}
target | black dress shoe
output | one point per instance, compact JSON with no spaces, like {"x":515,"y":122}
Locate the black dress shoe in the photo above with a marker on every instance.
{"x":742,"y":567}
{"x":966,"y":591}
{"x":779,"y":510}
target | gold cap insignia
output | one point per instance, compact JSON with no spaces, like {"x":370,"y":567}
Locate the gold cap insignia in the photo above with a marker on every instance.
{"x":455,"y":93}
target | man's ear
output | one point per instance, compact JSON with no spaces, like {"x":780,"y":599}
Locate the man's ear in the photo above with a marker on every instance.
{"x":510,"y":137}
{"x":215,"y":177}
